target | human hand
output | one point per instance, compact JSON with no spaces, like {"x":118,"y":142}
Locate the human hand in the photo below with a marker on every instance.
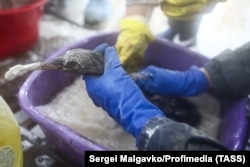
{"x":165,"y":82}
{"x":132,"y":42}
{"x":118,"y":95}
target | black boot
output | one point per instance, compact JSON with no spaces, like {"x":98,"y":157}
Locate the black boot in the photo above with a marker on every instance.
{"x":182,"y":32}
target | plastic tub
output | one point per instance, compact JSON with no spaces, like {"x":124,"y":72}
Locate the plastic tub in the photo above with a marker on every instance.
{"x":19,"y":28}
{"x":40,"y":88}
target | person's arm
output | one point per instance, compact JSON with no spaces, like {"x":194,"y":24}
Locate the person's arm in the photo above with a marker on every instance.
{"x":121,"y":98}
{"x":134,"y":34}
{"x":118,"y":95}
{"x":164,"y":134}
{"x":227,"y":75}
{"x":229,"y":72}
{"x":161,"y":81}
{"x":143,"y":10}
{"x":142,"y":2}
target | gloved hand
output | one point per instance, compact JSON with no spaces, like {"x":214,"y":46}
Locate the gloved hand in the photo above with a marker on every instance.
{"x":164,"y":82}
{"x":117,"y":94}
{"x":184,"y":10}
{"x":132,"y":42}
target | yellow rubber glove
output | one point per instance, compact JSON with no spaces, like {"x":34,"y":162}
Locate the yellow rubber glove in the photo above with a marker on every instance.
{"x":184,"y":10}
{"x":132,"y":42}
{"x":10,"y":139}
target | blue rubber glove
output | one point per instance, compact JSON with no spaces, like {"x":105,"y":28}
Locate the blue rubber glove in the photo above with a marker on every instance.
{"x":118,"y":94}
{"x":165,"y":82}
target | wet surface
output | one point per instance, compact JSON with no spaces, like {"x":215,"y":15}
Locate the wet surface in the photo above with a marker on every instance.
{"x":227,"y":27}
{"x":38,"y":153}
{"x":54,"y":34}
{"x":9,"y":89}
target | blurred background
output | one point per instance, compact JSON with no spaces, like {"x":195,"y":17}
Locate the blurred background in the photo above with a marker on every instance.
{"x":227,"y":26}
{"x":63,"y":22}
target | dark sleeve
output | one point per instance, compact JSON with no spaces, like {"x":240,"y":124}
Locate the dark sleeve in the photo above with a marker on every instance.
{"x":230,"y":72}
{"x":164,"y":134}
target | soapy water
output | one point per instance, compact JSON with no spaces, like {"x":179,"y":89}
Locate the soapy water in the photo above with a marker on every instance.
{"x":73,"y":107}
